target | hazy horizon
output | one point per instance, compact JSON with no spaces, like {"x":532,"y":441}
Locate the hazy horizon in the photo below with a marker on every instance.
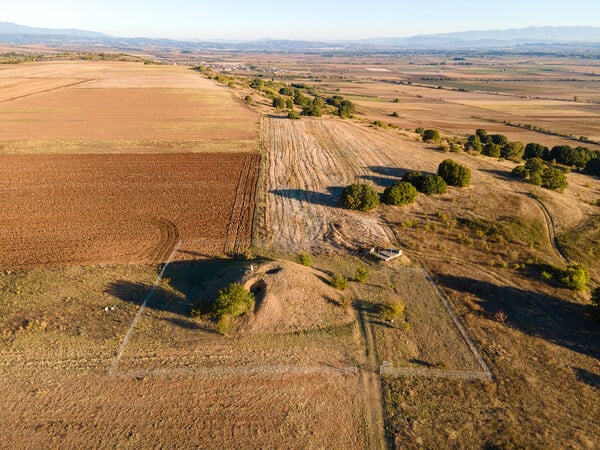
{"x":312,"y":20}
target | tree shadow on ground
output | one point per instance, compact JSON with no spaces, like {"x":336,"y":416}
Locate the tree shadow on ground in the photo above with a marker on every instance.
{"x":185,"y":285}
{"x":379,"y":180}
{"x":330,"y":198}
{"x":556,"y":320}
{"x":503,"y":174}
{"x":393,"y":172}
{"x":589,"y":378}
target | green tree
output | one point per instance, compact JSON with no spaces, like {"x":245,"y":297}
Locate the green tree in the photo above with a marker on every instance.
{"x":534,"y":150}
{"x":483,"y":136}
{"x":431,"y":135}
{"x":361,"y":197}
{"x":520,"y":172}
{"x":399,"y":193}
{"x":473,"y":144}
{"x":300,"y":99}
{"x":433,"y":184}
{"x":454,"y":174}
{"x":554,"y":179}
{"x":257,"y":83}
{"x":233,"y":301}
{"x":491,"y":149}
{"x":286,"y":90}
{"x":314,"y":108}
{"x":289,"y":103}
{"x":499,"y":139}
{"x":513,"y":151}
{"x":278,"y":102}
{"x":414,"y":178}
{"x":593,"y":167}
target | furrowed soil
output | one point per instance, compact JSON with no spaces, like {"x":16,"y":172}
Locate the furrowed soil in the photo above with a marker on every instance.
{"x":101,"y":209}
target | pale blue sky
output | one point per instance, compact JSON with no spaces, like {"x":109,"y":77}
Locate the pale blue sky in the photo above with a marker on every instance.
{"x":303,"y":19}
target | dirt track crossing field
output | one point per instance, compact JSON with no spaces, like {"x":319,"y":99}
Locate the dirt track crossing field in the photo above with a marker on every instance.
{"x":91,"y":209}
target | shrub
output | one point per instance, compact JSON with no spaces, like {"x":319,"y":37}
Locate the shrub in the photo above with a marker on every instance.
{"x":233,"y":301}
{"x":305,"y":259}
{"x":293,"y":115}
{"x":431,"y":135}
{"x":454,"y":174}
{"x":286,"y":90}
{"x":419,"y":130}
{"x":361,"y":197}
{"x":391,"y":310}
{"x":433,"y":184}
{"x":362,"y":274}
{"x":575,"y":277}
{"x":339,"y":282}
{"x":248,"y":99}
{"x":399,"y":193}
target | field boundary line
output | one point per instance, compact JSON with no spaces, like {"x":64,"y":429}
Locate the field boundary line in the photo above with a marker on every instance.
{"x":113,"y":367}
{"x":460,"y":326}
{"x":386,"y":369}
{"x":56,"y":88}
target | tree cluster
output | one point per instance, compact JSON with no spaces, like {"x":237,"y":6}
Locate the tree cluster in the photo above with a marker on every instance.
{"x":427,"y":184}
{"x":540,"y":173}
{"x":494,"y":145}
{"x":344,"y":108}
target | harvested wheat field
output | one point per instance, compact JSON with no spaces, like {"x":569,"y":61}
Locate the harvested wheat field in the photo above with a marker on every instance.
{"x":310,"y":162}
{"x":114,"y":107}
{"x":92,"y":209}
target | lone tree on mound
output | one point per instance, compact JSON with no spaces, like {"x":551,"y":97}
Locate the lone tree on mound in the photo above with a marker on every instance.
{"x":399,"y":193}
{"x":454,"y":174}
{"x":361,"y":197}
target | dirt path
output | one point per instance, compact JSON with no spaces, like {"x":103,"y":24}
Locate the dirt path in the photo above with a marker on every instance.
{"x":551,"y":230}
{"x":370,"y":381}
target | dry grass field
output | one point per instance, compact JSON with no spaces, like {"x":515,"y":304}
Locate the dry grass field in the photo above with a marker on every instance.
{"x":114,"y":107}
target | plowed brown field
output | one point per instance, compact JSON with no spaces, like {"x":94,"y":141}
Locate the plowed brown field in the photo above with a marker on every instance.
{"x":89,"y":209}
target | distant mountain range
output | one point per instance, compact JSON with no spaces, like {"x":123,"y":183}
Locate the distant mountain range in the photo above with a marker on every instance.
{"x":530,"y":37}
